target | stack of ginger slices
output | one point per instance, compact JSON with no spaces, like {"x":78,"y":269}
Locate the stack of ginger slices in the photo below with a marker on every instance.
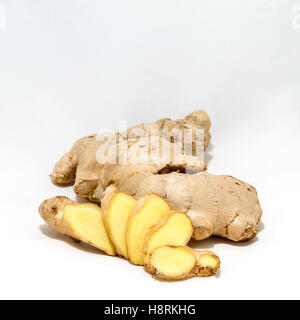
{"x":147,"y":232}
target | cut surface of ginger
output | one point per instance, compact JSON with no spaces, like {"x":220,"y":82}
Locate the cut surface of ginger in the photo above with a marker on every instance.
{"x":179,"y":263}
{"x":87,"y":225}
{"x":175,"y":229}
{"x":145,"y":215}
{"x":116,"y":218}
{"x":171,"y":263}
{"x":207,"y":261}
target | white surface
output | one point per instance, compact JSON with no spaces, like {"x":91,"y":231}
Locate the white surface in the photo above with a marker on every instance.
{"x":70,"y":68}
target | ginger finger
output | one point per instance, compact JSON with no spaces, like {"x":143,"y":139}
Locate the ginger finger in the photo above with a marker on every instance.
{"x":80,"y":221}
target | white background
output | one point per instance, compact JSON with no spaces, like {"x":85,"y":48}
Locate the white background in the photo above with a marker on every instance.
{"x":70,"y":68}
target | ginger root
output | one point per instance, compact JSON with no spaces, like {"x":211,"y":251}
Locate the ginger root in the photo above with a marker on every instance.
{"x":82,"y":222}
{"x":174,"y":229}
{"x":117,"y":207}
{"x":81,"y":165}
{"x":180,"y":263}
{"x":145,"y":215}
{"x":142,"y":228}
{"x":217,"y":205}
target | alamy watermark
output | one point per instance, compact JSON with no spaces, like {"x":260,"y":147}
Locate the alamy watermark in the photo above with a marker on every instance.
{"x":151,"y":146}
{"x":3,"y":18}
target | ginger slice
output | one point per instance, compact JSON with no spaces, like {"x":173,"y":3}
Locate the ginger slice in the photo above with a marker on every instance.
{"x":80,"y":221}
{"x":145,"y":215}
{"x":171,"y":263}
{"x":179,"y":263}
{"x":175,"y":229}
{"x":208,"y":263}
{"x":117,"y":207}
{"x":87,"y":223}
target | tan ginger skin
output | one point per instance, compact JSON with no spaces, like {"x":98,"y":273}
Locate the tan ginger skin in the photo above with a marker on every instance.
{"x":51,"y":210}
{"x":74,"y":220}
{"x":81,"y":168}
{"x":217,"y":205}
